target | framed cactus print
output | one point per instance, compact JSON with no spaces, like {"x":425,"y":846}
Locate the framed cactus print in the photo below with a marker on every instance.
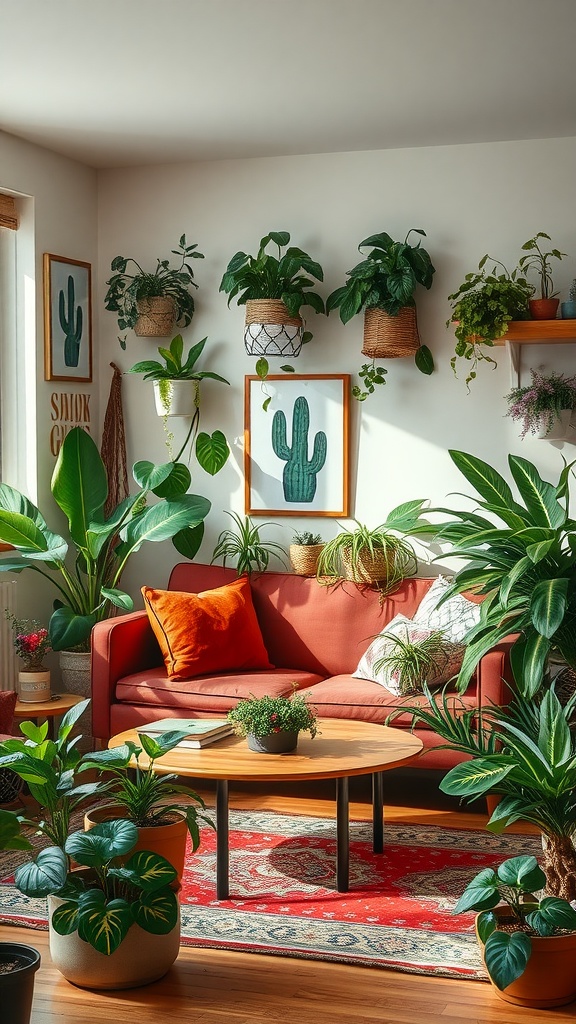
{"x":67,"y":319}
{"x":296,"y":445}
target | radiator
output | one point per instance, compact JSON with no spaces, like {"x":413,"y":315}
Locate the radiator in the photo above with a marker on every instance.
{"x":8,"y":657}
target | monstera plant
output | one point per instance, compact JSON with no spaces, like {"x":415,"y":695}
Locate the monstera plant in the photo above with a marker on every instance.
{"x":86,"y":569}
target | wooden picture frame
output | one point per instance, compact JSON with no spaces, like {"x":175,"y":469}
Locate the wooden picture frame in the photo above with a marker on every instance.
{"x":316,"y":483}
{"x":67,"y":319}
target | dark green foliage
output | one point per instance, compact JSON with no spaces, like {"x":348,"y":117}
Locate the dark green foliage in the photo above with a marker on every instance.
{"x":306,"y":539}
{"x":71,"y":323}
{"x":300,"y":472}
{"x":371,"y":376}
{"x":287,"y":277}
{"x":262,"y":716}
{"x":540,"y":262}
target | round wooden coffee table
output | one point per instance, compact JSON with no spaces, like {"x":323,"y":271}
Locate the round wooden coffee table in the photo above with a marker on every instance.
{"x":57,"y":706}
{"x":341,"y":749}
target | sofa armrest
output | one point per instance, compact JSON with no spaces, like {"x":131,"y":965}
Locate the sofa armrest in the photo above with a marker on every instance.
{"x":494,"y":674}
{"x":120,"y":646}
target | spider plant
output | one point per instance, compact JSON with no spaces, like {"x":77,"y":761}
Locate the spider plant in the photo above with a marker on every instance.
{"x":245,"y":547}
{"x":412,"y":660}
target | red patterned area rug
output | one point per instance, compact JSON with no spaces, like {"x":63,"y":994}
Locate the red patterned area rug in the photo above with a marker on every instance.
{"x":284,"y":902}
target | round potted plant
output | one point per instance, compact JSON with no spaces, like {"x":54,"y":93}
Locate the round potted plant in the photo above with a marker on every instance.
{"x":176,"y":380}
{"x":482,"y":308}
{"x":274,"y":290}
{"x":544,"y":407}
{"x":546,"y":306}
{"x":152,"y":303}
{"x":304,"y":552}
{"x":31,"y":643}
{"x":272,"y":724}
{"x":383,"y":285}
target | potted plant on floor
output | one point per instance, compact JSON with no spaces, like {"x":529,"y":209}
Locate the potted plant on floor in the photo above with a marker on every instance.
{"x":274,"y":289}
{"x":272,"y":724}
{"x":153,"y":302}
{"x":245,"y":547}
{"x":304,"y":552}
{"x":545,"y":307}
{"x":18,"y":961}
{"x":383,"y":285}
{"x":518,"y":552}
{"x":544,"y":407}
{"x":525,"y":754}
{"x":482,"y":308}
{"x":375,"y":556}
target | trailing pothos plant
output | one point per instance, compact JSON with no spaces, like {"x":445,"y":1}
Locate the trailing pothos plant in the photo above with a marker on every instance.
{"x":87,"y":567}
{"x":386,"y":279}
{"x":482,"y":308}
{"x":520,"y":552}
{"x":212,"y":450}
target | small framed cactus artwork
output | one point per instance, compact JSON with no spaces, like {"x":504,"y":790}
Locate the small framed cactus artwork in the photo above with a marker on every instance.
{"x":296,"y":445}
{"x":67,"y":319}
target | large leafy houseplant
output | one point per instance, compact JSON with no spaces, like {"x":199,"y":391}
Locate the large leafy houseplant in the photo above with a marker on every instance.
{"x":385,"y":280}
{"x":290,"y":276}
{"x":482,"y":308}
{"x":536,"y":259}
{"x":520,"y":553}
{"x":126,"y":290}
{"x":86,"y":569}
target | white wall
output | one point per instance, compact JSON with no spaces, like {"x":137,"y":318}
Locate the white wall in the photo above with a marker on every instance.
{"x":469,"y":200}
{"x":61,"y":219}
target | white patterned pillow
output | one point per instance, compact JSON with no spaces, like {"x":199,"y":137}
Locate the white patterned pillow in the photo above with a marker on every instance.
{"x":444,"y":663}
{"x":456,"y":617}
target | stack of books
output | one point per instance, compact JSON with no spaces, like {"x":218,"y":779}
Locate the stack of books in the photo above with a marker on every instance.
{"x":200,"y":731}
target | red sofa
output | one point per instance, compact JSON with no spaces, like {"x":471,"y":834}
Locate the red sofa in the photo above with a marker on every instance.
{"x":314,"y":636}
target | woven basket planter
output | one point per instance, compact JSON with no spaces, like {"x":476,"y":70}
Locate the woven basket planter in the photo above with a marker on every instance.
{"x":270,"y":330}
{"x":156,"y":317}
{"x":390,"y":337}
{"x":368,"y":568}
{"x":304,"y":558}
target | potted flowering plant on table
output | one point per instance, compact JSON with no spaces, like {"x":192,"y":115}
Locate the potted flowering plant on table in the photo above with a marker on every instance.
{"x":544,"y":407}
{"x":31,"y":642}
{"x":272,"y":724}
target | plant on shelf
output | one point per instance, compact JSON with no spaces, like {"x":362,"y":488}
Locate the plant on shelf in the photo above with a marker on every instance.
{"x":274,"y":289}
{"x":260,"y":718}
{"x":568,"y":309}
{"x":519,"y":553}
{"x":134,"y":297}
{"x":86,"y":569}
{"x":304,"y":552}
{"x":375,"y":556}
{"x":482,"y":308}
{"x":512,"y":920}
{"x":245,"y":547}
{"x":538,"y":406}
{"x":30,"y":640}
{"x":544,"y":308}
{"x":383,"y":285}
{"x":177,"y":390}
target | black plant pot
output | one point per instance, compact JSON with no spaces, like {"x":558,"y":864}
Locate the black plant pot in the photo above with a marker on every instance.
{"x":17,"y":983}
{"x":274,"y":743}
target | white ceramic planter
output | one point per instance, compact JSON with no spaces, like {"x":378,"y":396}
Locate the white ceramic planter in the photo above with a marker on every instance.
{"x":34,"y":687}
{"x":560,"y":429}
{"x":176,"y":397}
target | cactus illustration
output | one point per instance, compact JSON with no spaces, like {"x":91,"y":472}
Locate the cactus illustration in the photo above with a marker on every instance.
{"x":72,"y":333}
{"x":300,"y":472}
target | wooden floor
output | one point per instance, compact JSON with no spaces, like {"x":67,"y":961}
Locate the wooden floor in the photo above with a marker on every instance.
{"x":215,"y":987}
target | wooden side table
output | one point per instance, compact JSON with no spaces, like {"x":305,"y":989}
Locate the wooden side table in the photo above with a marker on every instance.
{"x":48,"y":710}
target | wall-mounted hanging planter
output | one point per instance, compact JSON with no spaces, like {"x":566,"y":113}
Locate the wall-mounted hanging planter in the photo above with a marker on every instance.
{"x":558,"y":429}
{"x":390,"y":337}
{"x":156,"y":317}
{"x":270,"y":330}
{"x":176,"y":397}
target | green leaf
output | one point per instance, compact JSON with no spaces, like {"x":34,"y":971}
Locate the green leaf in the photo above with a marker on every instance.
{"x":102,"y":843}
{"x":528,"y":659}
{"x":554,"y":737}
{"x":68,"y":629}
{"x":45,"y":875}
{"x":424,"y":360}
{"x":103,"y":925}
{"x":10,"y":838}
{"x":287,"y":369}
{"x":474,"y":778}
{"x":157,"y":912}
{"x":212,"y":451}
{"x":148,"y":476}
{"x":489,"y":484}
{"x":548,"y":605}
{"x":262,"y":367}
{"x":153,"y":871}
{"x":523,"y":873}
{"x":118,"y":598}
{"x":187,"y":542}
{"x":164,"y":520}
{"x":79,"y":483}
{"x":480,"y":894}
{"x":266,"y":403}
{"x":22,"y":532}
{"x":539,"y":496}
{"x":558,"y":913}
{"x":506,"y":956}
{"x":176,"y":484}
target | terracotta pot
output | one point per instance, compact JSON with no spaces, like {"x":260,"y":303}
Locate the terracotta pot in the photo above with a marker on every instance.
{"x":549,"y":978}
{"x":274,"y":743}
{"x":156,"y":317}
{"x":168,"y":841}
{"x":543,"y":309}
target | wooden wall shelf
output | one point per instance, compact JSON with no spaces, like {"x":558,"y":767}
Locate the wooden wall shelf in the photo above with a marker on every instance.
{"x":538,"y":332}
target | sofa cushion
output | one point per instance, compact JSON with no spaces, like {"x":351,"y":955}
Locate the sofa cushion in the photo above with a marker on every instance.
{"x":457,"y":616}
{"x":347,"y":697}
{"x":214,"y":631}
{"x":401,"y":637}
{"x":213,"y":693}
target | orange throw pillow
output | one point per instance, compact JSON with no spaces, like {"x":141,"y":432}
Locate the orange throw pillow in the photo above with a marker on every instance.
{"x":215,"y":631}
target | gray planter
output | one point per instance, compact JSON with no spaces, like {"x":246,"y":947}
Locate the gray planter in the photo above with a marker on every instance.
{"x":568,"y":310}
{"x":274,"y":743}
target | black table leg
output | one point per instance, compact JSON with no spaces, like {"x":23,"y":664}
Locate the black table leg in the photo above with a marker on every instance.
{"x":378,"y":812}
{"x":222,"y":845}
{"x":342,"y":836}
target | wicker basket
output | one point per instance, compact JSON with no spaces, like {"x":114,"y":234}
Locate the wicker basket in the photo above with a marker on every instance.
{"x":304,"y":558}
{"x":270,"y":330}
{"x":389,"y":337}
{"x":368,"y":568}
{"x":156,"y":317}
{"x":270,"y":311}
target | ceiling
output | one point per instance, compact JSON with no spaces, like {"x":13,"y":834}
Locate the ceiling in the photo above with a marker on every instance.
{"x":116,"y":83}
